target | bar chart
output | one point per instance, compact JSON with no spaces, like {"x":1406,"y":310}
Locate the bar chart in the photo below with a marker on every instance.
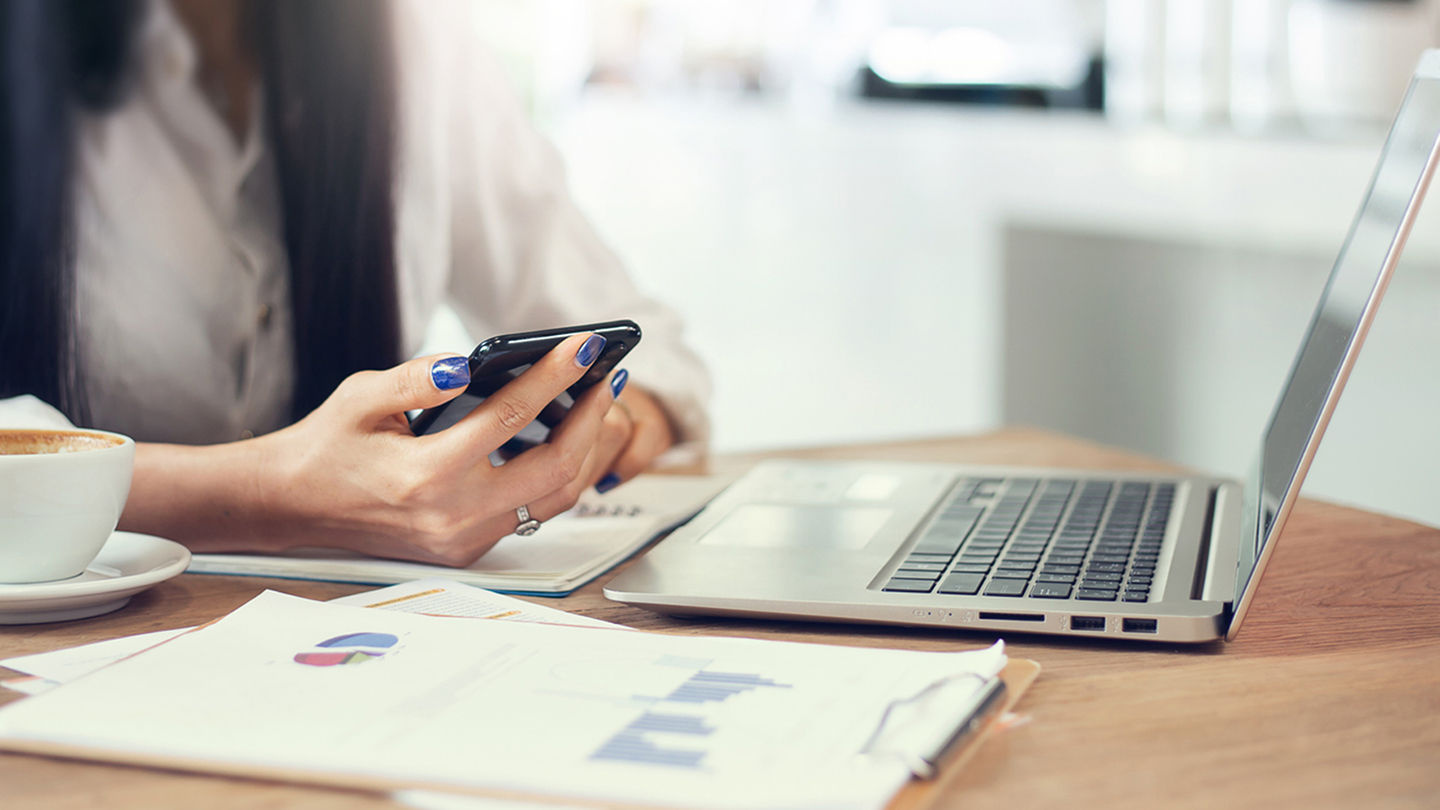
{"x":637,"y":742}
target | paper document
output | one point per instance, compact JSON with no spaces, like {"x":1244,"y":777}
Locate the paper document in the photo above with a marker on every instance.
{"x":436,"y":597}
{"x":344,"y":695}
{"x":435,"y":800}
{"x":443,"y":597}
{"x":50,"y":669}
{"x":568,"y":551}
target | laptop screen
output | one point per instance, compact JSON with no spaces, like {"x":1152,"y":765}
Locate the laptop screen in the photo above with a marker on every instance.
{"x":1341,"y":319}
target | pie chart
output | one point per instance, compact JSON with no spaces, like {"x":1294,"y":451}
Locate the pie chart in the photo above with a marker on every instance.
{"x":349,"y":649}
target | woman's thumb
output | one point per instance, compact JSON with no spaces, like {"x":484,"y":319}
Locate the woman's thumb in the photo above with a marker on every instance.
{"x":421,"y":383}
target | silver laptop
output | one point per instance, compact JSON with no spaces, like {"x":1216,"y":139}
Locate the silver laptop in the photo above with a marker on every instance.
{"x":1077,"y":552}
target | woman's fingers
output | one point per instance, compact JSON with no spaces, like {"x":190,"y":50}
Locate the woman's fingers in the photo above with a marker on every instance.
{"x":546,"y":480}
{"x":652,"y":435}
{"x":616,"y":433}
{"x":371,"y":396}
{"x":559,"y":464}
{"x":505,"y":412}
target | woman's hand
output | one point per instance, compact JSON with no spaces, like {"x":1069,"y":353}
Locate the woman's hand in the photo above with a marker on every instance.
{"x":639,"y":430}
{"x":356,"y":474}
{"x":352,"y":475}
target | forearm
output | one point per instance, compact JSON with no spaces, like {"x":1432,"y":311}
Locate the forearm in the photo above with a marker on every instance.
{"x":210,"y":498}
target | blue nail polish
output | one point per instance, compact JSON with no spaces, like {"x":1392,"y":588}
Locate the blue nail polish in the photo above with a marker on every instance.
{"x":589,"y":350}
{"x":617,"y":383}
{"x":609,"y":482}
{"x":450,"y":373}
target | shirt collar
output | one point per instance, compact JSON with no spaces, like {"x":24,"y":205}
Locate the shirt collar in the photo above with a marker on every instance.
{"x":171,"y":63}
{"x":169,"y":55}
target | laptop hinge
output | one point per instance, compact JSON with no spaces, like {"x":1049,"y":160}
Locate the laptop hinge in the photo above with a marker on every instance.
{"x":1216,"y":581}
{"x":1202,"y":568}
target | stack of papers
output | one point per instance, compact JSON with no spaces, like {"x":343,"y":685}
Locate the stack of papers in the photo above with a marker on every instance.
{"x":285,"y":688}
{"x":568,"y":551}
{"x":434,"y":597}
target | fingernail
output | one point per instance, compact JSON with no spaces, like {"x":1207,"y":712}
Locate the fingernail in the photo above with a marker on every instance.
{"x":607,"y":483}
{"x":589,"y":350}
{"x":450,"y":373}
{"x":617,"y":383}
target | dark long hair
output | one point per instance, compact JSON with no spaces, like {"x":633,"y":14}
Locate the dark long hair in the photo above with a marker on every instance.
{"x":330,"y":102}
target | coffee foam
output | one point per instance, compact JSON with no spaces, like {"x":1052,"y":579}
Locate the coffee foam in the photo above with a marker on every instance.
{"x":40,"y":442}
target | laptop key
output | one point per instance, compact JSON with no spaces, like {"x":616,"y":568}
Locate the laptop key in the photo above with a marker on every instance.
{"x":927,"y":558}
{"x":970,"y":568}
{"x":977,"y":559}
{"x":907,"y":585}
{"x":1023,"y":556}
{"x":1109,"y":567}
{"x":1006,"y":587}
{"x":938,"y":565}
{"x":962,"y":584}
{"x":1095,"y":594}
{"x":1137,"y":596}
{"x":922,"y":568}
{"x":1050,"y":590}
{"x":1109,"y":558}
{"x":1045,"y":577}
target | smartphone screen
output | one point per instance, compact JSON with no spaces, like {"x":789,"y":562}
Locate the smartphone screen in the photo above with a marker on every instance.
{"x":498,"y":360}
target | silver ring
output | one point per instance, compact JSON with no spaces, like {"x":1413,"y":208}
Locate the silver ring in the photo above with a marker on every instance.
{"x":528,"y":525}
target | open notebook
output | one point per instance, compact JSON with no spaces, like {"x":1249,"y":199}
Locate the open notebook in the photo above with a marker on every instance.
{"x":568,"y":551}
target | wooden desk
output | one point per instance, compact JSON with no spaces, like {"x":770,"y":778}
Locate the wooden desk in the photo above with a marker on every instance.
{"x":1330,"y":697}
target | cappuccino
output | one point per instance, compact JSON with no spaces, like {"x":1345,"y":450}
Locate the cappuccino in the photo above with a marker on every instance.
{"x":61,"y":495}
{"x":35,"y":442}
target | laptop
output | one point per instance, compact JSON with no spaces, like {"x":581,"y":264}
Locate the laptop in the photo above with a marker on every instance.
{"x":1077,"y":552}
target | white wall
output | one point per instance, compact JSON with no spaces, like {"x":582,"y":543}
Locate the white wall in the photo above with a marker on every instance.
{"x":865,"y":272}
{"x":1180,"y":350}
{"x":825,"y":268}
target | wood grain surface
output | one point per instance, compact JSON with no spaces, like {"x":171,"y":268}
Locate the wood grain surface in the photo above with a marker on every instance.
{"x":1330,"y":697}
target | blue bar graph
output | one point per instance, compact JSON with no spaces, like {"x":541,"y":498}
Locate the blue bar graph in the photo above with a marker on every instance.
{"x":632,"y":743}
{"x":706,"y":687}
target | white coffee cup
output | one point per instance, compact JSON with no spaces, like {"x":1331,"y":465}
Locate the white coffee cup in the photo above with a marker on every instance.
{"x":61,"y":494}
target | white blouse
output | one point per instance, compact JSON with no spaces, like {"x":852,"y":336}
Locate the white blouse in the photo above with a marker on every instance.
{"x":182,"y":290}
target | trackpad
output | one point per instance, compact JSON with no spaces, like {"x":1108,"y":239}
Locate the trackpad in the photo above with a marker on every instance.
{"x":774,"y":526}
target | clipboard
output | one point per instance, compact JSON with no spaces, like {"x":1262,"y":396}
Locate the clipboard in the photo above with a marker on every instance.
{"x":1017,"y":676}
{"x":970,"y":734}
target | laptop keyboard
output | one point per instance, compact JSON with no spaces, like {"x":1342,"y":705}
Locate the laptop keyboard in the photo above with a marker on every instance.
{"x":1041,"y":539}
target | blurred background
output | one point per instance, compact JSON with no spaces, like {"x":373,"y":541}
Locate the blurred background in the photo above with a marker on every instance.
{"x":895,"y":218}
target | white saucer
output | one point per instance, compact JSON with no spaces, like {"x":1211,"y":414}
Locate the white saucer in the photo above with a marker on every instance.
{"x":128,"y":564}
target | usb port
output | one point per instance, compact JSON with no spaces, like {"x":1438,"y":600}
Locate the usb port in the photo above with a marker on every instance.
{"x":1138,"y":625}
{"x":1095,"y":624}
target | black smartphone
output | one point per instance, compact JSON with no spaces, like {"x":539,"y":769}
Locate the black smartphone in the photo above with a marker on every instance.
{"x":501,"y":359}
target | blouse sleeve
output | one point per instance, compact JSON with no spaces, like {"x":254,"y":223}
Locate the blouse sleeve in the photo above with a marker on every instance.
{"x":523,"y":257}
{"x":31,"y":413}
